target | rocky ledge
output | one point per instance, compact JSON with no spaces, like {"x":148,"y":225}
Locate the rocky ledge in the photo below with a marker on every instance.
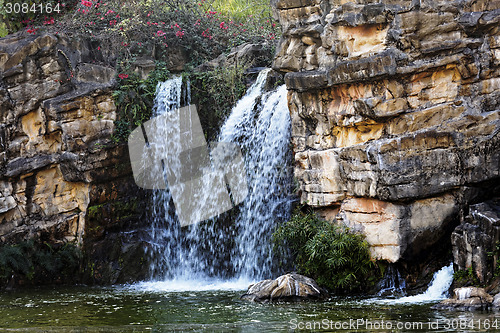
{"x":62,"y":178}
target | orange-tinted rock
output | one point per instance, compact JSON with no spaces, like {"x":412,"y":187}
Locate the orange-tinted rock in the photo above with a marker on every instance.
{"x":401,"y":104}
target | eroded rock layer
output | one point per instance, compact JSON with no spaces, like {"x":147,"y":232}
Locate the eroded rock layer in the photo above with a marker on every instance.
{"x":395,"y":110}
{"x":62,"y":179}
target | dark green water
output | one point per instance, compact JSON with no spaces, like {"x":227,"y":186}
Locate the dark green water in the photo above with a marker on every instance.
{"x":86,"y":309}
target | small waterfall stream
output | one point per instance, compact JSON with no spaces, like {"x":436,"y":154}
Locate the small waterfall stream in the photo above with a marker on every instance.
{"x":437,"y":289}
{"x":392,"y":283}
{"x":234,"y":247}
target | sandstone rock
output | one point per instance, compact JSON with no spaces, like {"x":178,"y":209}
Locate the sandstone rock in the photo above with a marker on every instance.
{"x":245,"y":54}
{"x":496,"y":301}
{"x":95,"y":73}
{"x":56,"y":152}
{"x":394,"y":102}
{"x":400,"y":231}
{"x":288,"y":287}
{"x":143,"y":66}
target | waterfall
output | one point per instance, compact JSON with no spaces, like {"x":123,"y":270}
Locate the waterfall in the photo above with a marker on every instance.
{"x":236,"y":245}
{"x":439,"y":286}
{"x":437,"y":290}
{"x":260,"y":124}
{"x":392,"y":283}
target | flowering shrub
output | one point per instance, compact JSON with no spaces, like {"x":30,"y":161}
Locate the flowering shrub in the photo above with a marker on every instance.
{"x":30,"y":19}
{"x":152,"y":27}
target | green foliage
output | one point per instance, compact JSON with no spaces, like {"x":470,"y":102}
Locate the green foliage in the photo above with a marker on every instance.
{"x":495,"y":255}
{"x":241,"y":9}
{"x":134,"y":99}
{"x":333,"y":255}
{"x":215,"y":93}
{"x":467,"y":276}
{"x":31,"y":261}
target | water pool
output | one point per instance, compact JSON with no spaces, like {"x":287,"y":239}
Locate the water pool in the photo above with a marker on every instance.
{"x":139,"y":309}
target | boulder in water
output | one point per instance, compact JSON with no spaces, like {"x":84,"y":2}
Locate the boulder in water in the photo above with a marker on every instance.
{"x":467,"y":298}
{"x":288,"y":287}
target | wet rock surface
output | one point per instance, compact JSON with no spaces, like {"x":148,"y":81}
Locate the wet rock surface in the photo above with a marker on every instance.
{"x":395,"y":114}
{"x":288,"y":287}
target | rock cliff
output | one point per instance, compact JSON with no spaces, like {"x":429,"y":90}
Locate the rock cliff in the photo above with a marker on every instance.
{"x":395,"y":110}
{"x":62,"y":179}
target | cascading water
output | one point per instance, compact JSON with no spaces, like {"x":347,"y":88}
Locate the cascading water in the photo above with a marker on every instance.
{"x":260,"y":124}
{"x":392,"y":283}
{"x":437,"y":290}
{"x":235,"y":245}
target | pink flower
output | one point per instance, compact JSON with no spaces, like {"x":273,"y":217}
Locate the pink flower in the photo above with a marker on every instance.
{"x":110,"y":12}
{"x":160,"y":33}
{"x":87,"y":3}
{"x":123,"y":76}
{"x":30,"y":31}
{"x":112,"y":22}
{"x":49,"y":21}
{"x":179,"y":34}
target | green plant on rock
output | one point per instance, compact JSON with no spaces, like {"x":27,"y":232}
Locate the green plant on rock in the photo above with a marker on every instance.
{"x":215,"y":92}
{"x":44,"y":262}
{"x":494,"y":257}
{"x":466,"y":276}
{"x":135,"y":98}
{"x":333,"y":255}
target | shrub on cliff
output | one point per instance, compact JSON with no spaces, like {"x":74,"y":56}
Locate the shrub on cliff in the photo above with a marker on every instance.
{"x":335,"y":257}
{"x":215,"y":92}
{"x":28,"y":262}
{"x":202,"y":29}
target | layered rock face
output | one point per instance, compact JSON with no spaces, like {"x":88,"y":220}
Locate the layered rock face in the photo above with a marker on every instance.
{"x":61,"y":177}
{"x":395,"y":110}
